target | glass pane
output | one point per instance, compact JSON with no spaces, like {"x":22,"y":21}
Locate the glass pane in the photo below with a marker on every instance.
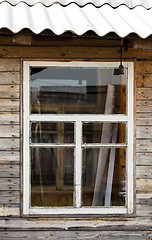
{"x":52,"y":132}
{"x":52,"y":176}
{"x":77,"y":90}
{"x":104,"y":177}
{"x":104,"y":132}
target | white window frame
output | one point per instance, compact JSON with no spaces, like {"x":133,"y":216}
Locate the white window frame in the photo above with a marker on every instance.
{"x":78,"y":119}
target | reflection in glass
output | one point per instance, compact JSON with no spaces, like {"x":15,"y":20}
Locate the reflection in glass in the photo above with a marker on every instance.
{"x":77,"y":90}
{"x":52,"y":176}
{"x":52,"y":132}
{"x":103,"y":179}
{"x":102,"y":132}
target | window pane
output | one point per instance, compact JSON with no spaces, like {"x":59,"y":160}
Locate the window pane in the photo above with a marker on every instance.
{"x":77,"y":90}
{"x":52,"y":132}
{"x":104,"y":132}
{"x":52,"y":176}
{"x":103,"y":180}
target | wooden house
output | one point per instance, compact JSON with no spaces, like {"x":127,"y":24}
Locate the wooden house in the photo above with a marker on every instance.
{"x":76,"y":119}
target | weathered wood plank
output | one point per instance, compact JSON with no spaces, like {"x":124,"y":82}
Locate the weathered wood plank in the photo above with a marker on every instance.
{"x":9,"y":131}
{"x":143,"y":185}
{"x":144,"y":199}
{"x":144,"y":172}
{"x":144,"y":132}
{"x":144,"y":80}
{"x":9,"y":118}
{"x":9,"y":105}
{"x":143,"y":93}
{"x":102,"y":224}
{"x":9,"y":143}
{"x":69,"y":235}
{"x":9,"y":171}
{"x":70,"y":52}
{"x":144,"y":119}
{"x":9,"y":91}
{"x":9,"y":157}
{"x":8,"y":65}
{"x":143,"y":159}
{"x":9,"y":78}
{"x":144,"y":145}
{"x":144,"y":106}
{"x":143,"y":210}
{"x":9,"y":211}
{"x":9,"y":198}
{"x":9,"y":184}
{"x":143,"y":67}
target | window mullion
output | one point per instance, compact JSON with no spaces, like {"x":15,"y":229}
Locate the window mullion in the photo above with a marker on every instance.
{"x":78,"y":164}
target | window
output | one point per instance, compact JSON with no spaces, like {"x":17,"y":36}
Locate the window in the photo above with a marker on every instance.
{"x":77,"y":138}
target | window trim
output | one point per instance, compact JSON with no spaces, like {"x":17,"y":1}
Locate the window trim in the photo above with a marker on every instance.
{"x":129,"y":208}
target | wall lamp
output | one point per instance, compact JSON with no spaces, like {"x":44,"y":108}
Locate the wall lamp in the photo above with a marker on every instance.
{"x":120,"y":70}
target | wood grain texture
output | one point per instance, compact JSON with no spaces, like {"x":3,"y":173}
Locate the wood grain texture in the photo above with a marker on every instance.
{"x":9,"y":91}
{"x":9,"y":211}
{"x":12,"y":157}
{"x":71,"y":52}
{"x":9,"y":65}
{"x":144,"y":132}
{"x":144,"y":145}
{"x":144,"y":106}
{"x":9,"y":131}
{"x":144,"y":159}
{"x":9,"y":171}
{"x":9,"y":144}
{"x":143,"y":119}
{"x":144,"y":172}
{"x":9,"y":118}
{"x":9,"y":105}
{"x":69,"y":235}
{"x":10,"y":197}
{"x":143,"y":185}
{"x":9,"y":184}
{"x":9,"y":78}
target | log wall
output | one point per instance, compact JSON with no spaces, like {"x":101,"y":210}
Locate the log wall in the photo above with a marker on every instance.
{"x":12,"y":224}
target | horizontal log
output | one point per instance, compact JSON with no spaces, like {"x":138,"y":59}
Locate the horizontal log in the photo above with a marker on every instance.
{"x":9,"y":118}
{"x":9,"y":144}
{"x":9,"y":211}
{"x":66,"y":235}
{"x":144,"y":185}
{"x":102,"y":224}
{"x":144,"y":172}
{"x":9,"y":198}
{"x":9,"y":78}
{"x":9,"y":105}
{"x":144,"y":106}
{"x":9,"y":91}
{"x":143,"y":93}
{"x":143,"y":159}
{"x":9,"y":65}
{"x":9,"y":131}
{"x":144,"y":145}
{"x":12,"y":157}
{"x":71,"y":52}
{"x":9,"y":171}
{"x":9,"y":184}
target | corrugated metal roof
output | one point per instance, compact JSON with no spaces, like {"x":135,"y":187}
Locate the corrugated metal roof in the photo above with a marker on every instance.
{"x":59,"y":19}
{"x":98,"y":3}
